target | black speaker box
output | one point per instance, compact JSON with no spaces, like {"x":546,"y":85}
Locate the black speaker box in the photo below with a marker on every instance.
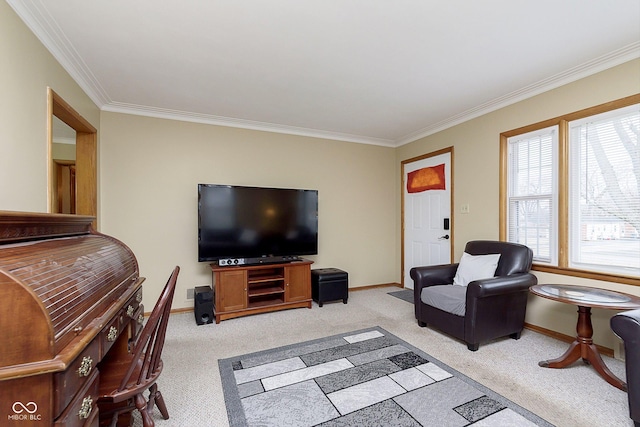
{"x":203,"y":304}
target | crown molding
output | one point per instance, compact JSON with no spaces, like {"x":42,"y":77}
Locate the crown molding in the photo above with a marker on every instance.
{"x":610,"y":60}
{"x":37,"y":18}
{"x":162,"y":113}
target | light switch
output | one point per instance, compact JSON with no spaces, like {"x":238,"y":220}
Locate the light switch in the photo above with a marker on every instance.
{"x":464,"y":208}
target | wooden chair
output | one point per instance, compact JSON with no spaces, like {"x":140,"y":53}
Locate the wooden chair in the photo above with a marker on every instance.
{"x":124,"y":380}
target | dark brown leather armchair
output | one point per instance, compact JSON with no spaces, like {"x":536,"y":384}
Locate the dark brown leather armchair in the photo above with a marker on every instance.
{"x":493,"y":307}
{"x":627,"y":326}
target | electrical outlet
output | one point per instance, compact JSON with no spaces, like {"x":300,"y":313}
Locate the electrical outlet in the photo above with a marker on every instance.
{"x":464,"y":208}
{"x":190,"y":293}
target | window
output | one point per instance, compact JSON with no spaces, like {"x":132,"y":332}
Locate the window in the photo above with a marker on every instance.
{"x":570,"y":190}
{"x":604,"y":202}
{"x":533,"y":192}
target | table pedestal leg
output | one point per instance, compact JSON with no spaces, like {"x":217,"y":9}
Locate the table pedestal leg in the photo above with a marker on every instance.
{"x":584,"y":348}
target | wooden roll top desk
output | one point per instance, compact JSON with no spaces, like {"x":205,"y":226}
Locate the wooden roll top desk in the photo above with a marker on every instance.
{"x":68,"y":296}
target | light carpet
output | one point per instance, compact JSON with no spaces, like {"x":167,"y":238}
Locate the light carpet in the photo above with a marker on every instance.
{"x":362,"y":378}
{"x":192,"y":387}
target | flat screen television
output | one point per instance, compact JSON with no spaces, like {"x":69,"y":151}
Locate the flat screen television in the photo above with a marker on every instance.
{"x":256,"y":222}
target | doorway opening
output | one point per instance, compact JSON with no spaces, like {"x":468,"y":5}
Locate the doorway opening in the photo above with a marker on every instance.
{"x":72,"y":184}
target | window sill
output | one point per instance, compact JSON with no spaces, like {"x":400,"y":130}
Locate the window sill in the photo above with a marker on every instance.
{"x":607,"y":277}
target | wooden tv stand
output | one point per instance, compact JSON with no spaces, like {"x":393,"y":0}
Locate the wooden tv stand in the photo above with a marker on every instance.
{"x":253,"y":289}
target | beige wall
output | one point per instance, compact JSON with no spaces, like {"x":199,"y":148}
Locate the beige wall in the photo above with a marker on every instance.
{"x":151,"y":168}
{"x":26,"y":72}
{"x":476,"y":181}
{"x":65,"y":151}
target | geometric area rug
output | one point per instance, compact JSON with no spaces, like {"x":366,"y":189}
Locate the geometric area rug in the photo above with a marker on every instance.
{"x":363,"y":378}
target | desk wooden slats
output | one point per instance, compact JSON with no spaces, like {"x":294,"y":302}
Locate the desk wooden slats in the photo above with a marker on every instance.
{"x":64,"y":294}
{"x":69,"y":275}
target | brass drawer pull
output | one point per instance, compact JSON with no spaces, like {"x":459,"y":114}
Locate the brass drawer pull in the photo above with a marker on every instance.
{"x":85,"y":409}
{"x":139,"y":297}
{"x":130,"y":311}
{"x":85,"y":366}
{"x":141,"y":319}
{"x":113,"y":334}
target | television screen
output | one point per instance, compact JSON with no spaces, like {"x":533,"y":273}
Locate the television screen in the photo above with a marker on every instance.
{"x":251,"y":222}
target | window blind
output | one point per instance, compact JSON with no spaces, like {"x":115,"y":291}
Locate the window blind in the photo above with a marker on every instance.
{"x":604,"y":197}
{"x":532,"y":195}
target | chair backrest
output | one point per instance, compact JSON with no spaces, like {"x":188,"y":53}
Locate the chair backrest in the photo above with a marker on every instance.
{"x":148,"y":347}
{"x":514,"y":258}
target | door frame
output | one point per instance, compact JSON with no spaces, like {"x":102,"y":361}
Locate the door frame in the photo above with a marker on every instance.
{"x":402,"y":204}
{"x":86,"y":157}
{"x":60,"y":165}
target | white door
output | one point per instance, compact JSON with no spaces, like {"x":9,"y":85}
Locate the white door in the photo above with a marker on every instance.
{"x":427,"y":213}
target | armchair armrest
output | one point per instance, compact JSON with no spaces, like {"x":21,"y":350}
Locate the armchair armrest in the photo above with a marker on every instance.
{"x":500,"y":285}
{"x":433,"y":275}
{"x":626,"y":325}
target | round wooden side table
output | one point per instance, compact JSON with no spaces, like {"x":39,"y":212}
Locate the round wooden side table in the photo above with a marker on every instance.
{"x":586,"y":298}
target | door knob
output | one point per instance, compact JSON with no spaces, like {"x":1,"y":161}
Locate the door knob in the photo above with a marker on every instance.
{"x":445,"y":237}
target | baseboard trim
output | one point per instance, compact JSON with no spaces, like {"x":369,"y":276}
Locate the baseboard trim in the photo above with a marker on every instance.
{"x":182,"y":310}
{"x":382,"y":285}
{"x":566,"y":338}
{"x":173,"y":311}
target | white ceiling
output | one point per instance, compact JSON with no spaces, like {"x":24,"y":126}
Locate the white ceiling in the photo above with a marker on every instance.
{"x":383,"y":72}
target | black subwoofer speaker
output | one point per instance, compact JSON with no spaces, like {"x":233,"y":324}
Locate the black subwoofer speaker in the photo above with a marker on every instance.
{"x":203,"y":304}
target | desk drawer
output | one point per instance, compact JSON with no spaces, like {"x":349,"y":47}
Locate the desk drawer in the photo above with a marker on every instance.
{"x":110,"y":333}
{"x":133,"y":304}
{"x":66,"y":384}
{"x":83,"y":409}
{"x":123,"y":328}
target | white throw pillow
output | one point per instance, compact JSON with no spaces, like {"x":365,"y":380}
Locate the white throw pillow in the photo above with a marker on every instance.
{"x":475,"y":267}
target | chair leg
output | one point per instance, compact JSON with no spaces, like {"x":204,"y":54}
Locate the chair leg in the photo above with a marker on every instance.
{"x":152,"y":398}
{"x":141,"y":404}
{"x":156,"y":397}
